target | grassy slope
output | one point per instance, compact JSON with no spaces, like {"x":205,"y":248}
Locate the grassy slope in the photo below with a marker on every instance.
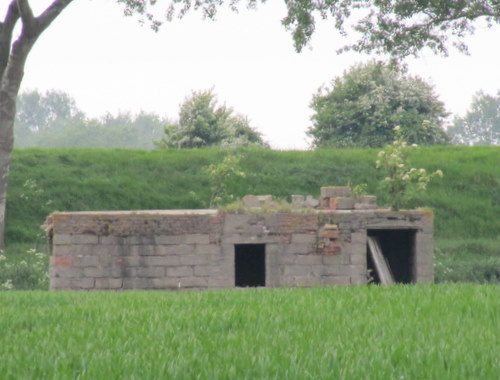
{"x":466,"y":201}
{"x":397,"y":332}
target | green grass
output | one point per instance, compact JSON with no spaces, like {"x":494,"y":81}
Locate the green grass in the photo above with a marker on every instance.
{"x":398,"y":332}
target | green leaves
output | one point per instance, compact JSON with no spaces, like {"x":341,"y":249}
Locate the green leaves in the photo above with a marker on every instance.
{"x":361,"y":108}
{"x":401,"y":182}
{"x":203,"y":123}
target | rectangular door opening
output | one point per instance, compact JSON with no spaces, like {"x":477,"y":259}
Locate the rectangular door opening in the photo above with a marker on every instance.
{"x":250,"y":265}
{"x":398,"y":250}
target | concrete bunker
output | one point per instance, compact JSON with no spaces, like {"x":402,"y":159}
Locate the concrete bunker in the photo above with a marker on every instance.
{"x":312,"y":243}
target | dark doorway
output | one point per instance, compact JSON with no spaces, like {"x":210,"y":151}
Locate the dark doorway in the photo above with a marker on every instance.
{"x":398,"y":248}
{"x":250,"y":265}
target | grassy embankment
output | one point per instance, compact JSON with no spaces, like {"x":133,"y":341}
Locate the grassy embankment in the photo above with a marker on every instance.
{"x":398,"y":332}
{"x":466,"y":201}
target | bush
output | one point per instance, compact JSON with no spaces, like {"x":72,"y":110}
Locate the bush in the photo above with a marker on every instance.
{"x":26,"y":271}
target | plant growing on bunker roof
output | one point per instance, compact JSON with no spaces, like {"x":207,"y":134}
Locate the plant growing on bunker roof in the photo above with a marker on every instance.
{"x":401,"y":182}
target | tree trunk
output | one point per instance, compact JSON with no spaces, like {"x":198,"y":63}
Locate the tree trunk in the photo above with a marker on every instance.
{"x":11,"y":75}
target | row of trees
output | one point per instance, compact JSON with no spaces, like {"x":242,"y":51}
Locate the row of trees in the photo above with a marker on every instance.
{"x":358,"y":109}
{"x":52,"y":120}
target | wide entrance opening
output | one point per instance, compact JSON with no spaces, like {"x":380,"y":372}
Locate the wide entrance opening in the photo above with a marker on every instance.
{"x":250,"y":265}
{"x":396,"y":255}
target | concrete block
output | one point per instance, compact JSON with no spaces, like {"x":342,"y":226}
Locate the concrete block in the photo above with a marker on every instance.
{"x":142,"y":250}
{"x":342,"y":259}
{"x":60,"y":283}
{"x":96,"y":272}
{"x":335,"y":191}
{"x":306,"y":281}
{"x":197,"y":239}
{"x":182,"y":249}
{"x":180,"y":271}
{"x":298,"y":249}
{"x":358,"y":270}
{"x":139,"y":240}
{"x":336,"y":270}
{"x":194,"y":282}
{"x":206,"y":270}
{"x":67,"y":272}
{"x":298,"y":200}
{"x":295,"y":270}
{"x":307,"y":260}
{"x":137,"y":283}
{"x":208,"y":249}
{"x":170,"y":239}
{"x":61,"y":239}
{"x":110,"y":240}
{"x":344,"y":203}
{"x":166,"y":283}
{"x":82,"y":283}
{"x":194,"y":259}
{"x":85,"y":261}
{"x":151,"y":271}
{"x":358,"y":280}
{"x":84,"y":239}
{"x":358,"y":257}
{"x":304,"y":239}
{"x":336,"y":280}
{"x":153,"y":261}
{"x":108,"y":283}
{"x":221,"y":283}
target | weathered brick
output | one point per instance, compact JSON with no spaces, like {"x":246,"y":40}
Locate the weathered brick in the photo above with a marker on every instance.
{"x":307,"y":259}
{"x":61,"y":261}
{"x":137,"y":283}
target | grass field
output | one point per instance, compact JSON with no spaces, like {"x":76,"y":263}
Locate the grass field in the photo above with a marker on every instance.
{"x":398,"y":332}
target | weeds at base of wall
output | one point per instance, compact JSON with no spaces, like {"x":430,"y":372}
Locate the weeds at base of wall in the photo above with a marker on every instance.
{"x":24,"y":271}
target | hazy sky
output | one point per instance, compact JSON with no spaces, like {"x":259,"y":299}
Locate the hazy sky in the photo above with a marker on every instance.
{"x":109,"y":63}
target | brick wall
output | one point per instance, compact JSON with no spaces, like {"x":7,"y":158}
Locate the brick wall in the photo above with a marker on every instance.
{"x":195,"y":249}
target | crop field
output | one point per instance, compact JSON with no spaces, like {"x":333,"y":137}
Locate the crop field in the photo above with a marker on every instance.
{"x":370,"y":332}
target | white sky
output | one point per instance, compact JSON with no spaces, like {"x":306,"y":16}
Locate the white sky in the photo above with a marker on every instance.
{"x":109,"y":63}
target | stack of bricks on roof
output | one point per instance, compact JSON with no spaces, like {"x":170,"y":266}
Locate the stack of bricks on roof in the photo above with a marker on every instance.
{"x":314,"y":243}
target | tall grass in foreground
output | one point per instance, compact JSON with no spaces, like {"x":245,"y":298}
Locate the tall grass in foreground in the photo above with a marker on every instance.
{"x":397,"y":332}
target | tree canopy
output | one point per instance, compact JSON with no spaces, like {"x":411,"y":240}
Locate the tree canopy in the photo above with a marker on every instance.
{"x":361,"y":108}
{"x":395,"y":27}
{"x":203,"y":123}
{"x":481,"y":123}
